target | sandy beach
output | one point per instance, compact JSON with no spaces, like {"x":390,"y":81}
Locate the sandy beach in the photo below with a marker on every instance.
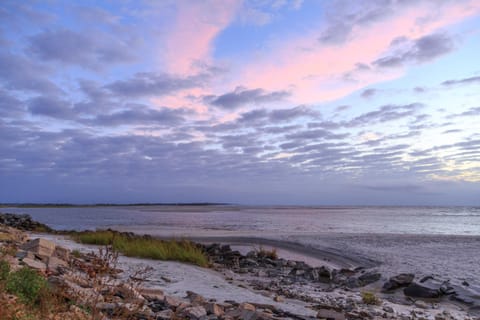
{"x":223,"y":285}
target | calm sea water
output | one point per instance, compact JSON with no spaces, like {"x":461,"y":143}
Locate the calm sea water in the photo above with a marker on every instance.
{"x":267,"y":220}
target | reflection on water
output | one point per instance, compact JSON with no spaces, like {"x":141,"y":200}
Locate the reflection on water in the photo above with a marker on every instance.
{"x":273,"y":220}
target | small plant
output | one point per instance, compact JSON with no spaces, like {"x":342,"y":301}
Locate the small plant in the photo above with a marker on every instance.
{"x":26,"y":284}
{"x":370,"y":298}
{"x":76,"y":253}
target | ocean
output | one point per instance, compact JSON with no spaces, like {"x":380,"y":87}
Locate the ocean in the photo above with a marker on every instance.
{"x":266,"y":220}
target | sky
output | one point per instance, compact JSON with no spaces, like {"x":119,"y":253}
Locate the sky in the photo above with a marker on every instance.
{"x":252,"y":102}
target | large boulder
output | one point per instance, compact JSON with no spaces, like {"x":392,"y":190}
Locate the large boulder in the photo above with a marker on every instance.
{"x":41,"y":247}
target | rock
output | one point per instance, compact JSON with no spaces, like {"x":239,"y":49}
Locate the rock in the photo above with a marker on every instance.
{"x":321,"y":274}
{"x":40,"y":246}
{"x":420,"y":304}
{"x":21,"y":254}
{"x":278,"y":299}
{"x":214,"y":309}
{"x":446,"y":288}
{"x":54,"y":263}
{"x":400,"y":280}
{"x":368,"y":278}
{"x":247,"y":306}
{"x":387,"y":309}
{"x":11,"y":235}
{"x":330,"y":314}
{"x":173,"y":301}
{"x":352,"y":283}
{"x":152,"y":294}
{"x":35,"y":264}
{"x":22,"y":222}
{"x":195,"y":298}
{"x":464,"y":296}
{"x":165,"y":315}
{"x":196,"y":312}
{"x":296,"y":272}
{"x":415,"y":290}
{"x":426,"y":278}
{"x":245,"y":311}
{"x":61,"y":253}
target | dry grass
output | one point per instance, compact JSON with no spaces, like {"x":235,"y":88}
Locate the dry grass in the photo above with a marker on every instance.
{"x":265,"y":253}
{"x":370,"y":298}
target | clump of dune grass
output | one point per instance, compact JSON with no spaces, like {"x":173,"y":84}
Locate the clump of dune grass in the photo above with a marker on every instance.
{"x":145,"y":247}
{"x":265,"y":253}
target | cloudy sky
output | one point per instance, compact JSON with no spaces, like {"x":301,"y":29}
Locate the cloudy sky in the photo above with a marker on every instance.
{"x":253,"y":102}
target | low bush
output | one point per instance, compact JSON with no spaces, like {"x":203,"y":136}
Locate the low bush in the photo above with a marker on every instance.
{"x":4,"y":270}
{"x":26,"y":284}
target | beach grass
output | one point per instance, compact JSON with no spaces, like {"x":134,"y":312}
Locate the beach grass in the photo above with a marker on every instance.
{"x":145,"y":247}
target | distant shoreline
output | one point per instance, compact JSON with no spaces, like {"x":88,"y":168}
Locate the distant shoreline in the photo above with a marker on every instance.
{"x":70,"y":205}
{"x":216,"y":204}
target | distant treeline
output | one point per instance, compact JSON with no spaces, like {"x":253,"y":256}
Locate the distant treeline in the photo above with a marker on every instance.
{"x":66,"y":205}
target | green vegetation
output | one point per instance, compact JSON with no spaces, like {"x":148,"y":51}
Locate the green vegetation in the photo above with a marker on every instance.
{"x":26,"y":284}
{"x":4,"y":270}
{"x":370,"y":298}
{"x":145,"y":247}
{"x":76,"y":253}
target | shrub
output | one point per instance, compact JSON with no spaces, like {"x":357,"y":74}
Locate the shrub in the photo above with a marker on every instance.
{"x":4,"y":270}
{"x":370,"y":298}
{"x":26,"y":284}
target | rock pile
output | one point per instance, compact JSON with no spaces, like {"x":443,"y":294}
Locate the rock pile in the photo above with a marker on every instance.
{"x":23,"y":222}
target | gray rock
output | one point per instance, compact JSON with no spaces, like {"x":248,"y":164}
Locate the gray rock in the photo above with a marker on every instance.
{"x":415,"y":290}
{"x":35,"y":264}
{"x":152,"y":294}
{"x":195,"y":298}
{"x":388,"y":309}
{"x":398,"y":281}
{"x":369,"y":277}
{"x":196,"y":312}
{"x":330,"y":314}
{"x":165,"y":315}
{"x":420,"y":304}
{"x":215,"y":309}
{"x":173,"y":301}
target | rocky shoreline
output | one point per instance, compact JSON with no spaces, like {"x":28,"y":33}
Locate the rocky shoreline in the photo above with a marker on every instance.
{"x":358,"y":293}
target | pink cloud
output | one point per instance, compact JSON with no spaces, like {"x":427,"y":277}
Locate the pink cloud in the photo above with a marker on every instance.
{"x":197,"y":23}
{"x":314,"y":72}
